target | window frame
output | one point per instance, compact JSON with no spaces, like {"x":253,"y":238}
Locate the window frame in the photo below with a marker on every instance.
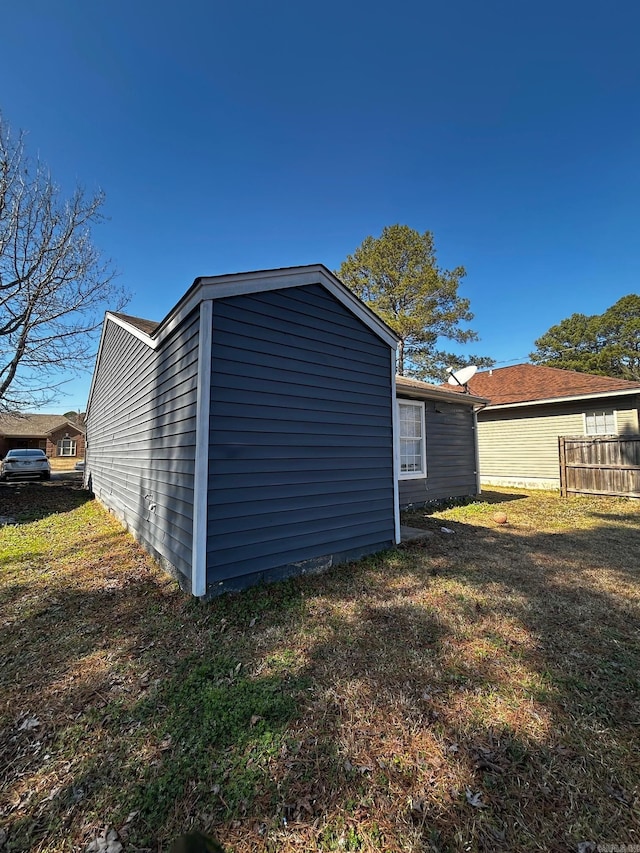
{"x":603,"y":411}
{"x":73,"y":446}
{"x":413,"y":475}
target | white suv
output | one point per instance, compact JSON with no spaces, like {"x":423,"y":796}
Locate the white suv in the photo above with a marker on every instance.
{"x":25,"y":463}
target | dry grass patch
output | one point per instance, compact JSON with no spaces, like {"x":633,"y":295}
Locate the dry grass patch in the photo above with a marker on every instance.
{"x":475,"y":691}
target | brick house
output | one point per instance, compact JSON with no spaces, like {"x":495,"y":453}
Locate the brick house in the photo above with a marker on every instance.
{"x":57,"y":435}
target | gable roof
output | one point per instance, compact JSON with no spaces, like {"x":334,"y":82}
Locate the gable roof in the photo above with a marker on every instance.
{"x":534,"y":384}
{"x":34,"y":426}
{"x":238,"y":284}
{"x":146,"y":326}
{"x":258,"y":281}
{"x":408,"y":387}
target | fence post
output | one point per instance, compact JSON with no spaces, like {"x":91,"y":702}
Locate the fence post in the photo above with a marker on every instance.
{"x":563,"y":466}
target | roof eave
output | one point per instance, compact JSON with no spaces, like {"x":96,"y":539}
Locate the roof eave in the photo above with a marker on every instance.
{"x":436,"y":394}
{"x":566,"y":399}
{"x":237,"y":284}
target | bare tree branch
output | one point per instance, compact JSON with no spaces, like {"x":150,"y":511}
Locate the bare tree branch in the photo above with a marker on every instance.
{"x":54,"y":283}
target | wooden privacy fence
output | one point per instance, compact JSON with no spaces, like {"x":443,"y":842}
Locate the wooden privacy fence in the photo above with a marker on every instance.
{"x":600,"y":466}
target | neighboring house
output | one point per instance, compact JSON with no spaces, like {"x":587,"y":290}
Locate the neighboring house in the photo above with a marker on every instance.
{"x":55,"y":434}
{"x":250,"y":434}
{"x":437,"y":441}
{"x":531,"y":406}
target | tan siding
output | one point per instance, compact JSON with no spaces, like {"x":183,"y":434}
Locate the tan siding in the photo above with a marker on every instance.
{"x":522,"y":443}
{"x":524,"y":446}
{"x":628,"y":422}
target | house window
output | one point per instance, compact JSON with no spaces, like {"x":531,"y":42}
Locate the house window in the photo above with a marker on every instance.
{"x":412,"y":440}
{"x":602,"y":422}
{"x":67,"y":447}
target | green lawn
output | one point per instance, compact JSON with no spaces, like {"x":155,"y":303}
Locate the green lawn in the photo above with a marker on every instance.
{"x":476,"y":691}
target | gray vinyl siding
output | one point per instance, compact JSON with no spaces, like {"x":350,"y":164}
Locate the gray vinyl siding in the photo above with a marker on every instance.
{"x":451,"y":456}
{"x":301,"y":454}
{"x":141,"y":437}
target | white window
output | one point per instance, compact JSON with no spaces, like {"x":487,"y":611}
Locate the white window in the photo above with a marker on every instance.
{"x":67,"y":447}
{"x":412,"y":440}
{"x":600,"y":422}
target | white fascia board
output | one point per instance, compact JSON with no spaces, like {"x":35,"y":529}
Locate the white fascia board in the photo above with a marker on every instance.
{"x":133,"y":330}
{"x":444,"y":396}
{"x":240,"y":284}
{"x":201,"y":468}
{"x":150,"y":341}
{"x":599,"y":395}
{"x":261,"y":282}
{"x":396,"y":450}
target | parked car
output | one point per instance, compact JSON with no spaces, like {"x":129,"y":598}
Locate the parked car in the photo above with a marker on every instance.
{"x":79,"y":466}
{"x":25,"y":463}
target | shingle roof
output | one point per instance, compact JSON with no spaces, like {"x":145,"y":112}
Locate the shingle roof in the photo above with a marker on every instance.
{"x":531,"y":382}
{"x":33,"y":426}
{"x":407,"y":385}
{"x":147,"y":326}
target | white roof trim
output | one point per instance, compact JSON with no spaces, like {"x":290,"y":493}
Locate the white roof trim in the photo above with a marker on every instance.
{"x":239,"y":284}
{"x":438,"y":394}
{"x":599,"y":395}
{"x":150,"y":341}
{"x":133,"y":330}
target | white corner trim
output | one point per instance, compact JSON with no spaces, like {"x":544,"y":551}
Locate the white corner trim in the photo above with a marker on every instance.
{"x":396,"y":449}
{"x":201,"y":470}
{"x":476,"y":450}
{"x":417,"y":475}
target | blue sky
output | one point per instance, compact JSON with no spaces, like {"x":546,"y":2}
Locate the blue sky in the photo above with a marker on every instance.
{"x":248,"y":135}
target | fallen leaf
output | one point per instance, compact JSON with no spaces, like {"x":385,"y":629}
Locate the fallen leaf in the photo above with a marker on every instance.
{"x":475,"y":800}
{"x":28,"y":724}
{"x":255,"y":719}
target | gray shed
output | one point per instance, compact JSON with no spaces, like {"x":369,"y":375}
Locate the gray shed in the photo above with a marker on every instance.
{"x":438,"y":442}
{"x":249,"y":435}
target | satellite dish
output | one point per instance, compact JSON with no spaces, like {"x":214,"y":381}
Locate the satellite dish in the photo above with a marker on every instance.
{"x":462,"y":376}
